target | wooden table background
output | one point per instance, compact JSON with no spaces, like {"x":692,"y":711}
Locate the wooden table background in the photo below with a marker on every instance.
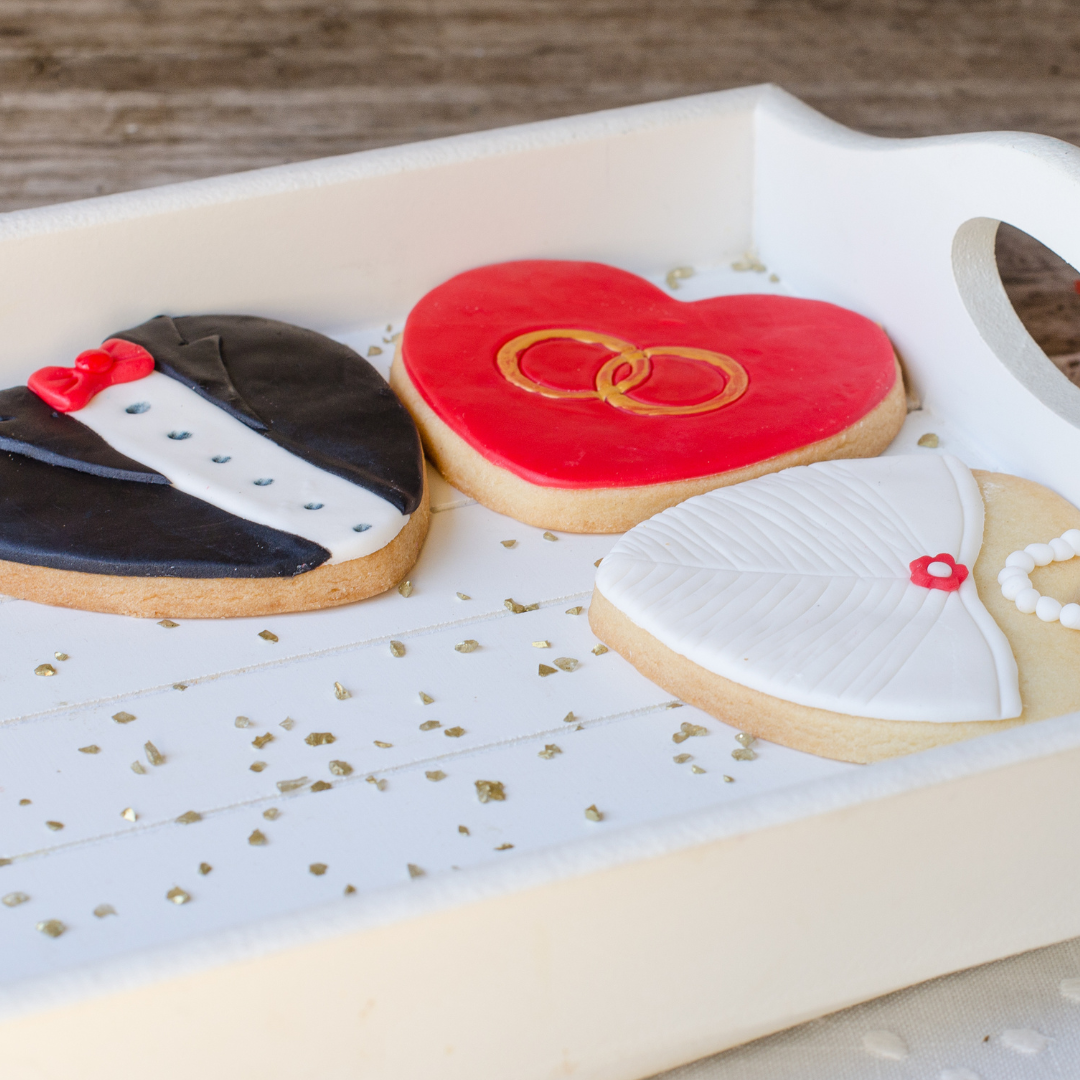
{"x":105,"y":95}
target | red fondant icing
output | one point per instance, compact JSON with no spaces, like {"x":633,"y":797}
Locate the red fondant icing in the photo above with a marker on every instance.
{"x":813,"y":370}
{"x":70,"y":389}
{"x":919,"y":576}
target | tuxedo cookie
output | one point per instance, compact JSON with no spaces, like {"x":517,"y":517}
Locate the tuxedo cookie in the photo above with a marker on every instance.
{"x":856,"y":609}
{"x":576,"y":396}
{"x":208,"y":466}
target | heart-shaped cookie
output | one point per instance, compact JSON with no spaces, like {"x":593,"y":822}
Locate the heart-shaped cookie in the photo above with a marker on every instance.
{"x":578,"y":396}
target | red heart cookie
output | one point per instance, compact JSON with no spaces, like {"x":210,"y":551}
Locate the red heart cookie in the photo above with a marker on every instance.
{"x":574,"y":395}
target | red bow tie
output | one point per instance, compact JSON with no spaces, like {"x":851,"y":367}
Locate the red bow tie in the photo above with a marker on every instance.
{"x":70,"y":389}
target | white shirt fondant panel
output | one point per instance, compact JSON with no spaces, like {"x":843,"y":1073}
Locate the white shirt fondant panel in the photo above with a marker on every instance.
{"x":207,"y":453}
{"x":798,"y":585}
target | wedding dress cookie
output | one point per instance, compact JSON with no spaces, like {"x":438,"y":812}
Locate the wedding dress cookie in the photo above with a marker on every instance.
{"x":575,"y":396}
{"x":208,"y":466}
{"x":851,"y":608}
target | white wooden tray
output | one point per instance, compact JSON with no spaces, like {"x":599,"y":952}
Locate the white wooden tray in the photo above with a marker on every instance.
{"x":699,"y":913}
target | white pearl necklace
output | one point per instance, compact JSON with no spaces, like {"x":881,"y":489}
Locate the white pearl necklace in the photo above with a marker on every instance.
{"x":1016,"y":585}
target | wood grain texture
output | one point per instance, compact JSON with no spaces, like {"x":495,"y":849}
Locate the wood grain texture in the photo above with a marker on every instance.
{"x":99,"y":96}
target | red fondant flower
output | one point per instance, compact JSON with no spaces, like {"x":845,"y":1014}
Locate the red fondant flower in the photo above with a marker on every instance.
{"x":69,"y":389}
{"x":929,"y":571}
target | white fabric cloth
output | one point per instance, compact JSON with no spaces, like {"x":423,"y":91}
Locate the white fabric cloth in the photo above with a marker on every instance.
{"x":798,"y":584}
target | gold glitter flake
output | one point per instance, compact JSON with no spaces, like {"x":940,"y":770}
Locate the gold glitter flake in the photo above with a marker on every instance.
{"x":285,"y":786}
{"x":541,"y":644}
{"x":430,"y":725}
{"x":599,"y":650}
{"x":414,"y":870}
{"x":179,"y":685}
{"x":744,"y":739}
{"x":205,"y":868}
{"x":380,"y":785}
{"x":464,"y":830}
{"x":61,"y":656}
{"x":321,"y":785}
{"x":340,"y":692}
{"x":14,"y":899}
{"x":682,"y":759}
{"x":153,"y":754}
{"x":435,"y":774}
{"x":532,"y":607}
{"x":549,"y":752}
{"x":51,"y":927}
{"x":268,"y":635}
{"x":930,"y":440}
{"x":189,"y":818}
{"x":673,"y":705}
{"x":490,"y":791}
{"x":340,"y":768}
{"x":123,"y":717}
{"x":55,"y":826}
{"x":24,"y":802}
{"x":257,"y":838}
{"x":104,"y":910}
{"x":729,"y":779}
{"x":405,"y":588}
{"x":512,"y":605}
{"x":320,"y":738}
{"x":168,"y":624}
{"x":397,"y":648}
{"x":676,"y":277}
{"x":45,"y":669}
{"x":567,"y":663}
{"x":569,"y":718}
{"x":242,"y":722}
{"x":688,"y":731}
{"x":374,"y":350}
{"x":504,"y":847}
{"x":467,"y":646}
{"x":508,"y":543}
{"x":350,"y":890}
{"x":91,"y":749}
{"x":463,"y":596}
{"x":383,"y":745}
{"x":550,"y":536}
{"x":128,"y":814}
{"x":426,"y":699}
{"x":749,"y":261}
{"x":454,"y":732}
{"x":261,"y":740}
{"x":178,"y":896}
{"x":318,"y":868}
{"x":598,"y":562}
{"x":743,"y":754}
{"x":593,"y":814}
{"x":272,"y":814}
{"x":545,"y":671}
{"x":696,"y":769}
{"x":576,"y":610}
{"x":5,"y":862}
{"x":257,"y":766}
{"x":288,"y":723}
{"x":137,"y":768}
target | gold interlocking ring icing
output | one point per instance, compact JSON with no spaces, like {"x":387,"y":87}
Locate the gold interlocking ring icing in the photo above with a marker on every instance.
{"x":640,"y":362}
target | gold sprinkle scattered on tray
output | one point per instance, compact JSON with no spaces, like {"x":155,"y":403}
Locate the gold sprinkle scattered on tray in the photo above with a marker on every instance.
{"x":599,"y":650}
{"x":320,"y":738}
{"x":61,"y":656}
{"x":696,"y":769}
{"x":14,"y":899}
{"x":5,"y":862}
{"x":682,"y":759}
{"x":414,"y":870}
{"x":569,"y":718}
{"x":45,"y":669}
{"x":242,"y":722}
{"x":490,"y":791}
{"x":598,"y":562}
{"x":430,"y":725}
{"x":405,"y":588}
{"x":550,"y":536}
{"x":340,"y":692}
{"x":464,"y":830}
{"x":189,"y":818}
{"x":177,"y":895}
{"x":383,"y":745}
{"x":123,"y":717}
{"x":272,"y":814}
{"x":24,"y":802}
{"x":454,"y":732}
{"x":103,"y":910}
{"x":350,"y":890}
{"x":576,"y":610}
{"x":128,"y":814}
{"x":508,"y":543}
{"x":504,"y":847}
{"x":512,"y":605}
{"x":676,"y":277}
{"x":168,"y":624}
{"x":262,"y":740}
{"x":467,"y":646}
{"x":51,"y":927}
{"x":318,"y":869}
{"x":593,"y":814}
{"x":435,"y":774}
{"x":257,"y":766}
{"x":463,"y":596}
{"x":541,"y":644}
{"x":340,"y":768}
{"x":427,"y":699}
{"x":930,"y":440}
{"x":549,"y":751}
{"x":673,"y":705}
{"x":137,"y":767}
{"x":729,"y":779}
{"x":55,"y":826}
{"x":93,"y":748}
{"x":567,"y":663}
{"x":743,"y":754}
{"x":268,"y":635}
{"x":205,"y":868}
{"x":257,"y":838}
{"x":321,"y":785}
{"x":545,"y":671}
{"x":397,"y":648}
{"x":179,"y":685}
{"x":532,"y":607}
{"x":749,"y":261}
{"x":380,"y":785}
{"x":374,"y":350}
{"x":744,"y":738}
{"x":285,"y":786}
